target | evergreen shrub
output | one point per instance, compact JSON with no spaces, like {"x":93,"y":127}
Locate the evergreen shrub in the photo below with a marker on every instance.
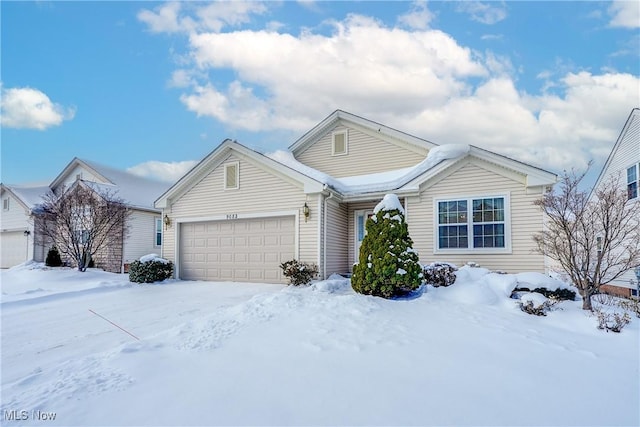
{"x":299,"y":273}
{"x":439,"y":274}
{"x":53,"y":258}
{"x":388,"y":266}
{"x":150,"y":271}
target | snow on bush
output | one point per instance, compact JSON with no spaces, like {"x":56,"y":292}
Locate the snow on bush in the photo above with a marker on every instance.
{"x":150,"y":268}
{"x":388,"y":266}
{"x":439,"y":274}
{"x":536,"y":304}
{"x":299,"y":273}
{"x":545,"y":285}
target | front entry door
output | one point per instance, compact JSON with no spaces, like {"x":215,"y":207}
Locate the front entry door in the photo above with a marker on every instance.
{"x":361,"y":231}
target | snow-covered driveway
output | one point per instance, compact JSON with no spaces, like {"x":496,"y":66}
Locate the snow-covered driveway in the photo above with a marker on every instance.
{"x":257,"y":354}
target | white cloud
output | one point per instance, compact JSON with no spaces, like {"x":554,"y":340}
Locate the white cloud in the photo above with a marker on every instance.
{"x":28,"y":108}
{"x":164,"y":171}
{"x":482,"y":12}
{"x":625,"y":13}
{"x":419,"y":17}
{"x":420,"y":81}
{"x":173,"y":17}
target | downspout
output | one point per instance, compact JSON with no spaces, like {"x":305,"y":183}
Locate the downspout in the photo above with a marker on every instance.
{"x":324,"y":242}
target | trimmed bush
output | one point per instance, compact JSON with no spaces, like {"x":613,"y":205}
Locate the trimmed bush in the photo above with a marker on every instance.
{"x":439,"y":274}
{"x":299,"y":273}
{"x":53,"y":258}
{"x":388,"y":266}
{"x":155,"y":270}
{"x":558,"y":294}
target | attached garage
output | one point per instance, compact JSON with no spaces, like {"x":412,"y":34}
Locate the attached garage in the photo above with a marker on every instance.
{"x":14,"y":248}
{"x":239,"y":250}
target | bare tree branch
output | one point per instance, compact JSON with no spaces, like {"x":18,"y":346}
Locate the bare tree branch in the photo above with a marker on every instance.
{"x":595,"y":240}
{"x":82,"y":221}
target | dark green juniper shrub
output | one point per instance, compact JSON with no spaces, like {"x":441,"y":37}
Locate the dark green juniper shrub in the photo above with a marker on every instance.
{"x":53,"y":258}
{"x":299,"y":273}
{"x":439,"y":274}
{"x":150,"y":271}
{"x":388,"y":266}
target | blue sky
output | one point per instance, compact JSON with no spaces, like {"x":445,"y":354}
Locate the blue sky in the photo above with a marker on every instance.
{"x":153,"y":87}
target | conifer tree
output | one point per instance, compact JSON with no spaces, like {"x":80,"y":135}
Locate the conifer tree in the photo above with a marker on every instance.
{"x":388,"y":266}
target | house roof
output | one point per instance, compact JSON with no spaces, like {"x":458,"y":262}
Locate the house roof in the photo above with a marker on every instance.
{"x":633,"y":115}
{"x":29,"y":196}
{"x":198,"y":172}
{"x":136,"y":191}
{"x":340,"y":116}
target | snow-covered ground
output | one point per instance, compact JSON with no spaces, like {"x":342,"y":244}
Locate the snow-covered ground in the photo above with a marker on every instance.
{"x":260,"y":354}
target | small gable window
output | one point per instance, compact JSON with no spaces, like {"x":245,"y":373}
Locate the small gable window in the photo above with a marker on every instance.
{"x":231,"y":176}
{"x":633,"y":175}
{"x":5,"y":204}
{"x":339,"y":143}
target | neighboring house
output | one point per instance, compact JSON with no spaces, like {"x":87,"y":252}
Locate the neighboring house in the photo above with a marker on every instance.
{"x":238,"y":214}
{"x":624,"y":164}
{"x":145,"y":225}
{"x":16,"y":226}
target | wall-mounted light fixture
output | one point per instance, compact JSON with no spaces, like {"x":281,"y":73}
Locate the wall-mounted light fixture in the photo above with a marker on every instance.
{"x":26,"y":233}
{"x":306,"y":212}
{"x":167,"y":221}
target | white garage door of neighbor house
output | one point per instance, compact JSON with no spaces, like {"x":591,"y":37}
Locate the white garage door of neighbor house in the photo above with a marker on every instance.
{"x":240,"y":250}
{"x":13,"y":245}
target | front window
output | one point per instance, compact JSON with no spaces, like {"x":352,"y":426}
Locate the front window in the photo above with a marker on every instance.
{"x":632,"y":181}
{"x":158,"y":231}
{"x":472,"y":223}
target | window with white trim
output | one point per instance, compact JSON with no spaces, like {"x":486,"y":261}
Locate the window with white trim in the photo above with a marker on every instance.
{"x":472,"y":223}
{"x":158,"y":240}
{"x":633,"y":177}
{"x":339,"y":143}
{"x":231,"y":176}
{"x":6,"y":204}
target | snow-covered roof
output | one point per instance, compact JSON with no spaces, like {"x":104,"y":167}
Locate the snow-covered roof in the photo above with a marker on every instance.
{"x":30,"y":196}
{"x":376,"y":182}
{"x":135,"y":190}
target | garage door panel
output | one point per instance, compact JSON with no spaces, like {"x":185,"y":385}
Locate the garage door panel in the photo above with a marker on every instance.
{"x":237,"y":250}
{"x":13,"y":250}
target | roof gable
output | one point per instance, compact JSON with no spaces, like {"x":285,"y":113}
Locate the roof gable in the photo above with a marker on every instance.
{"x":340,"y":117}
{"x":631,"y":126}
{"x":136,"y":191}
{"x":218,"y":155}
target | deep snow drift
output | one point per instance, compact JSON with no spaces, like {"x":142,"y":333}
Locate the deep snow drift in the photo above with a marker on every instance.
{"x":258,"y":354}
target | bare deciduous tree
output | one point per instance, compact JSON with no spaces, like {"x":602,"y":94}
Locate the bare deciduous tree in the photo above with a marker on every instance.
{"x":595,"y":240}
{"x":82,"y":221}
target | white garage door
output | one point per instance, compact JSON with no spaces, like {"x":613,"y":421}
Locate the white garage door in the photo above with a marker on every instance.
{"x":241,"y":250}
{"x":13,"y":247}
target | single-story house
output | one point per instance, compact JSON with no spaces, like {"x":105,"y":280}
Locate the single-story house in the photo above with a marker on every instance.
{"x":238,"y":213}
{"x":19,"y":236}
{"x":624,"y":163}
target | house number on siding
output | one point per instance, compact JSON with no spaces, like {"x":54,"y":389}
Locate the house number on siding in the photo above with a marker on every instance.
{"x":232,"y":216}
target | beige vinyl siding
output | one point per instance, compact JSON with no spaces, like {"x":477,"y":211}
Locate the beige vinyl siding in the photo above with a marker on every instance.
{"x":259,"y":192}
{"x":16,"y":247}
{"x":142,"y":236}
{"x":366,"y":154}
{"x":16,"y":217}
{"x":337,"y":239}
{"x":472,"y":180}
